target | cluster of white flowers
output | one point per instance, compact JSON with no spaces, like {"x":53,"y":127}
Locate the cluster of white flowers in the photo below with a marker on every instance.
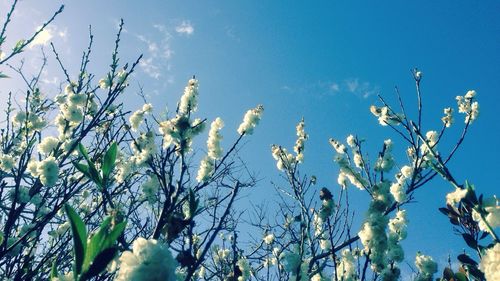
{"x":137,"y":117}
{"x":251,"y":120}
{"x":268,"y":239}
{"x":23,"y":195}
{"x":348,"y":173}
{"x":205,"y":170}
{"x":338,"y":146}
{"x":456,"y":196}
{"x":6,"y":162}
{"x":468,"y":106}
{"x":448,"y":117}
{"x":244,"y":267}
{"x":398,"y":188}
{"x":124,"y":169}
{"x":292,"y":262}
{"x":214,"y":138}
{"x":397,"y":232}
{"x":426,"y":266}
{"x":33,"y":121}
{"x":490,"y":263}
{"x":299,"y":143}
{"x":180,"y":131}
{"x":431,"y":138}
{"x":143,"y":148}
{"x":150,"y":189}
{"x":385,"y":161}
{"x":373,"y":233}
{"x":71,"y":107}
{"x":346,"y":269}
{"x":47,"y":145}
{"x":47,"y":170}
{"x":189,"y":100}
{"x":284,"y":159}
{"x":491,"y":215}
{"x":148,"y":260}
{"x":207,"y":165}
{"x":386,"y":116}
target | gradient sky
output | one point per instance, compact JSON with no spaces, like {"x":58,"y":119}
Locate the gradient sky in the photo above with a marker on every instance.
{"x":325,"y":62}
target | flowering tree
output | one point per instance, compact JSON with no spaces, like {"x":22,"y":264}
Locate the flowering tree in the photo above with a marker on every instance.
{"x":100,"y":193}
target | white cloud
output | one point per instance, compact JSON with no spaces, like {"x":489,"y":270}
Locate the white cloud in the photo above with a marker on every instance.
{"x":185,"y":28}
{"x":156,"y":60}
{"x":44,"y":37}
{"x":150,"y":68}
{"x":48,"y":34}
{"x":335,"y":87}
{"x":359,"y":88}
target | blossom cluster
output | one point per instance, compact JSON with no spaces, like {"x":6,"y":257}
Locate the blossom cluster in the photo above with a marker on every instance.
{"x":251,"y":120}
{"x":468,"y":106}
{"x":148,"y":260}
{"x":214,"y":151}
{"x":386,"y":116}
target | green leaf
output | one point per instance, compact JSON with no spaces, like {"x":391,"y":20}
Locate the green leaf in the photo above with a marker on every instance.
{"x":114,"y":234}
{"x":19,"y":46}
{"x":100,"y":262}
{"x":53,"y":270}
{"x":83,"y":152}
{"x":79,"y":237}
{"x":95,"y":242}
{"x":448,"y":274}
{"x":84,"y":169}
{"x":471,"y":242}
{"x":2,"y":75}
{"x":94,"y":175}
{"x":465,"y":259}
{"x":109,"y":161}
{"x":459,"y":276}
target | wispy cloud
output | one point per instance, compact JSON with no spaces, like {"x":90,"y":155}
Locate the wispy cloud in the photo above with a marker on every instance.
{"x":352,"y":86}
{"x":359,"y":88}
{"x":158,"y":55}
{"x":48,"y":34}
{"x":185,"y":27}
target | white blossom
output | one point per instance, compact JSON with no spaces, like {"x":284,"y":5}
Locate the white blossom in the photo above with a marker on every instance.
{"x":268,"y":239}
{"x":214,"y":138}
{"x":346,"y":269}
{"x":148,"y":260}
{"x":426,"y":266}
{"x":48,"y":170}
{"x":448,"y":117}
{"x":490,"y":263}
{"x":339,"y":147}
{"x":251,"y":120}
{"x":454,"y":197}
{"x":300,"y":142}
{"x":206,"y":169}
{"x":189,"y":100}
{"x":6,"y":162}
{"x":47,"y":145}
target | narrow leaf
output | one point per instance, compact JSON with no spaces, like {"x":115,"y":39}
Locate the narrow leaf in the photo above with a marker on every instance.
{"x":83,"y":151}
{"x":79,"y":237}
{"x":53,"y":270}
{"x":471,"y":242}
{"x":84,"y":169}
{"x":2,"y":75}
{"x":114,"y":234}
{"x":109,"y":161}
{"x":96,"y":242}
{"x":459,"y":276}
{"x":463,"y":258}
{"x":99,"y":263}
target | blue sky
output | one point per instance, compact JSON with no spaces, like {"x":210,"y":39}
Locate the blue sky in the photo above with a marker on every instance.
{"x":325,"y":62}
